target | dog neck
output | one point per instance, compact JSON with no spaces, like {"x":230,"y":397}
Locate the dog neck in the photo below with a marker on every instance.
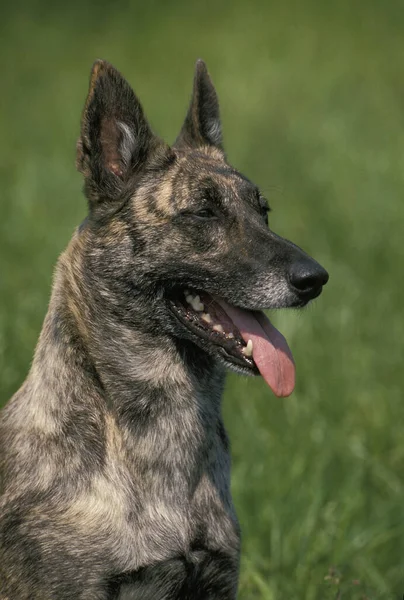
{"x":163,"y":395}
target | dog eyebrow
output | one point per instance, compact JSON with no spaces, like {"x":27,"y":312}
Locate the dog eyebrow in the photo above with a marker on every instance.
{"x":229,"y":172}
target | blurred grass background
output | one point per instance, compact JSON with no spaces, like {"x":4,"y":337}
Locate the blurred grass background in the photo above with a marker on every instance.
{"x":312,"y":98}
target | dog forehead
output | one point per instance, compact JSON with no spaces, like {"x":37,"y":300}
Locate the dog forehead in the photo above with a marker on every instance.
{"x":193,"y":175}
{"x":198,"y":169}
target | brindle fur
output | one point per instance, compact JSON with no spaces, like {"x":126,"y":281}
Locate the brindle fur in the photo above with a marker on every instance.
{"x":115,"y":461}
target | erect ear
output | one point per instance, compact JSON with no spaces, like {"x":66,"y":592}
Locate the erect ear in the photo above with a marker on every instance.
{"x":202,"y":125}
{"x":116,"y":139}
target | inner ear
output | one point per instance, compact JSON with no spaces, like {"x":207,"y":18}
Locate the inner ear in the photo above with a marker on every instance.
{"x":118,"y":144}
{"x":202,"y":125}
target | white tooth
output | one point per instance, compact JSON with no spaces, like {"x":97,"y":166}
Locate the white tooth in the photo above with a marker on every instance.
{"x":230,"y":335}
{"x":248,"y":350}
{"x":218,"y":328}
{"x":206,"y":317}
{"x":197,"y":304}
{"x":186,"y":293}
{"x":189,"y":299}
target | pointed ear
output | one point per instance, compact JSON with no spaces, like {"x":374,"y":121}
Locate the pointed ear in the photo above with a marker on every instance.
{"x":116,"y":139}
{"x":202,"y":125}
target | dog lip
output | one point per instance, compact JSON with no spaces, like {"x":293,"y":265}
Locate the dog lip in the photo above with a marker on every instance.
{"x":228,"y":344}
{"x":246,"y":365}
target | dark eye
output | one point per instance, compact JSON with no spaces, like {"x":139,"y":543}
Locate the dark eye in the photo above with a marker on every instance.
{"x":205,"y":213}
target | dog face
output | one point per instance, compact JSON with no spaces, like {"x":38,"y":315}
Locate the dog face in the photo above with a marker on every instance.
{"x":192,"y":229}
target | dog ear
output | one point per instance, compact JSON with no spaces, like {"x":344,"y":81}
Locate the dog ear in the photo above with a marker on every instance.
{"x":116,"y":140}
{"x":202,"y":126}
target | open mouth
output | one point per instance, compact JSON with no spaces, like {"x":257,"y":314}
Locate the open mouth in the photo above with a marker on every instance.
{"x":243,"y":338}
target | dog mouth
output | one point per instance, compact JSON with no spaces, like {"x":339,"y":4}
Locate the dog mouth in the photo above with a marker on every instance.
{"x":245,"y":339}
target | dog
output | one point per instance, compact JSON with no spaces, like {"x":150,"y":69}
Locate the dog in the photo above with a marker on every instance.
{"x":115,"y":463}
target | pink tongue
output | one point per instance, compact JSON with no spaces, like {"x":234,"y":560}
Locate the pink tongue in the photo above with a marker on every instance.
{"x":271,"y":352}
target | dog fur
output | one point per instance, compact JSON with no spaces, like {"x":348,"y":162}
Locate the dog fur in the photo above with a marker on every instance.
{"x":115,"y":464}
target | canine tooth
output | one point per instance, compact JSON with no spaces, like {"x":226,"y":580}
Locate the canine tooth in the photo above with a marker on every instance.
{"x":248,"y":350}
{"x":186,"y":293}
{"x":206,"y":317}
{"x":189,"y":299}
{"x":230,"y":335}
{"x":218,"y":327}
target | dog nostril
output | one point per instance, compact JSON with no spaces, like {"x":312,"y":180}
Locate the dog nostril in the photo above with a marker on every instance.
{"x":307,"y":277}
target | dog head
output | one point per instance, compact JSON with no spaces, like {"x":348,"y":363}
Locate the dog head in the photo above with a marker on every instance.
{"x":188,"y":231}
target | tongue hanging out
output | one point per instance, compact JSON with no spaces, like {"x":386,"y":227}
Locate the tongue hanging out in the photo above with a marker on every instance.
{"x":271,"y":352}
{"x":228,"y":327}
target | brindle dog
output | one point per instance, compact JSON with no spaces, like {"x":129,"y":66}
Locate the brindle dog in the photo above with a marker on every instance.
{"x":115,"y":460}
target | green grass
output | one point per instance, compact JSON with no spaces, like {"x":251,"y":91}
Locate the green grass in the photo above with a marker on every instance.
{"x":312,"y":104}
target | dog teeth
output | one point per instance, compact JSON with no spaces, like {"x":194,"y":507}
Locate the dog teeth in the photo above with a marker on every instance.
{"x":218,"y":328}
{"x":248,"y":350}
{"x":206,"y":317}
{"x":195,"y":302}
{"x":230,"y":335}
{"x":198,"y":305}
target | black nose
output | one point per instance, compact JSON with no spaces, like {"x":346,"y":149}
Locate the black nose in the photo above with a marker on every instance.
{"x":307,"y":277}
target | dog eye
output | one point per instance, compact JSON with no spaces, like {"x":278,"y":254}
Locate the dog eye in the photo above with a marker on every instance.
{"x":205,"y":213}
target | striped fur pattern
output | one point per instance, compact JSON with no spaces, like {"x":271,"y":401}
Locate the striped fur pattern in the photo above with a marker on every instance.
{"x":115,"y":466}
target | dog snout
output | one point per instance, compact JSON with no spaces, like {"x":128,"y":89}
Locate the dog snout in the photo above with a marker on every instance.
{"x":307,"y":278}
